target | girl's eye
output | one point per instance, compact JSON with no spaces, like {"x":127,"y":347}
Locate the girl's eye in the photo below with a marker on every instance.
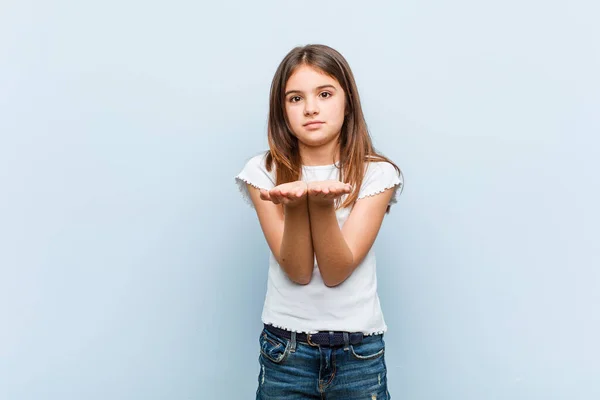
{"x":325,"y":95}
{"x":294,"y":99}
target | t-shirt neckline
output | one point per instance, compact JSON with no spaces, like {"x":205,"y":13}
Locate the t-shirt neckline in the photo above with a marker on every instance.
{"x":328,"y":166}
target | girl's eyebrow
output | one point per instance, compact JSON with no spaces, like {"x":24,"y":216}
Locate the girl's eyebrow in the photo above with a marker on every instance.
{"x":316,"y":89}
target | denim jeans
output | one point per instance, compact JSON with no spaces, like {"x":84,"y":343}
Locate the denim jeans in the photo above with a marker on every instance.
{"x":293,"y":370}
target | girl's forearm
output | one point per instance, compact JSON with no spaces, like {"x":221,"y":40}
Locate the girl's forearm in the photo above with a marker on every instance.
{"x":334,"y":257}
{"x":296,"y":253}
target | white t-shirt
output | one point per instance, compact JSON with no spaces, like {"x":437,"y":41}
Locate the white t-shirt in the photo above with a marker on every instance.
{"x":353,"y":305}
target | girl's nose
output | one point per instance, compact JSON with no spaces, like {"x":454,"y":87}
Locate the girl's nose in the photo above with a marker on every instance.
{"x":310,"y":109}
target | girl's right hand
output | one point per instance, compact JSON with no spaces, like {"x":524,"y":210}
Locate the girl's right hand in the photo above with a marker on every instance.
{"x":289,"y":194}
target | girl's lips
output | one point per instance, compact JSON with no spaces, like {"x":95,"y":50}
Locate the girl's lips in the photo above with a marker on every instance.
{"x":313,"y":124}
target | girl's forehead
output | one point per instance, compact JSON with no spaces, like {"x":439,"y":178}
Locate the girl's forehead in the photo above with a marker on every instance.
{"x":306,"y":76}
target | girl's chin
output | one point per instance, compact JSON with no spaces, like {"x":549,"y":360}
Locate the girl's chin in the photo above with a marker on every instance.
{"x":314,"y":141}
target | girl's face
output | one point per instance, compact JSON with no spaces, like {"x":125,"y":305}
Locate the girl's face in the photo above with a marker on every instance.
{"x":315,"y":104}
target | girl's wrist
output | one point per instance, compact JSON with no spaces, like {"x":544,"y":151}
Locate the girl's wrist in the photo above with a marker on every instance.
{"x":302,"y":201}
{"x":317,"y":202}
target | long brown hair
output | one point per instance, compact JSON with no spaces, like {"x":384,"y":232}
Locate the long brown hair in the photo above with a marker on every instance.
{"x":355,"y":143}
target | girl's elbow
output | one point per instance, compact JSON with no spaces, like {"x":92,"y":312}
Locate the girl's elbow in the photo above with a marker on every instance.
{"x":301,"y":276}
{"x":334,"y":281}
{"x":330,"y":283}
{"x":301,"y":279}
{"x":340,"y":275}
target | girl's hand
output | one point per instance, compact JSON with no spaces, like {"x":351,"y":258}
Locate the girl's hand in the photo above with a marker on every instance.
{"x":325,"y":192}
{"x":289,"y":194}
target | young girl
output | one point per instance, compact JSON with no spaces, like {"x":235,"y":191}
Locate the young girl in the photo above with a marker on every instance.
{"x":320,"y":194}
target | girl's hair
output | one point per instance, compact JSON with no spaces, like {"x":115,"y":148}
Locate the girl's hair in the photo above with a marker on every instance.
{"x":355,"y":143}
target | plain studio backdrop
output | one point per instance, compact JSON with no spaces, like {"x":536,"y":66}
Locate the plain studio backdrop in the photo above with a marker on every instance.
{"x":131,"y":268}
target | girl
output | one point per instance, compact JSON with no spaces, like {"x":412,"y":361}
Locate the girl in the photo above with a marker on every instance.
{"x":320,"y":194}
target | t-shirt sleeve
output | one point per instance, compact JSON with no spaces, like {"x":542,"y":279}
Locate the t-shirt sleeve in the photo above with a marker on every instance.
{"x":379,"y":177}
{"x":255,"y":173}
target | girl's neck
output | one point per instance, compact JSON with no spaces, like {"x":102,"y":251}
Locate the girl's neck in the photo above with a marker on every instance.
{"x":326,"y":154}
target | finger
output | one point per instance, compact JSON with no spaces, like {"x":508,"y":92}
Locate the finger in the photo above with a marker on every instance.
{"x":264,"y":195}
{"x":314,"y":190}
{"x":346,"y":189}
{"x":338,"y":192}
{"x":275,"y":196}
{"x":320,"y":194}
{"x":281,"y":198}
{"x":293,"y":194}
{"x":286,"y":196}
{"x":335,"y":190}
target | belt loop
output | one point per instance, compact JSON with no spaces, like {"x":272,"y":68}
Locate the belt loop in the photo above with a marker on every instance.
{"x":331,"y":341}
{"x":346,"y":341}
{"x":293,"y":343}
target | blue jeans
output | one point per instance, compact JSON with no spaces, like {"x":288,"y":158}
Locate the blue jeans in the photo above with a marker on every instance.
{"x":293,"y":370}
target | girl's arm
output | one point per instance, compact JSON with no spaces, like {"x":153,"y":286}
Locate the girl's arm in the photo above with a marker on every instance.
{"x":287,"y":228}
{"x":340,"y":251}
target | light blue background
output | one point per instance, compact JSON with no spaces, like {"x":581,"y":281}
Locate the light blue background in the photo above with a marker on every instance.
{"x":130,"y":268}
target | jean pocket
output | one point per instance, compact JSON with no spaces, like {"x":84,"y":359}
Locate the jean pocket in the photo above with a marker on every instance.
{"x":273,"y":347}
{"x":370,"y":349}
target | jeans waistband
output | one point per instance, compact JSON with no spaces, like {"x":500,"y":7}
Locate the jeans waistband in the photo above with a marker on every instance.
{"x":323,"y":338}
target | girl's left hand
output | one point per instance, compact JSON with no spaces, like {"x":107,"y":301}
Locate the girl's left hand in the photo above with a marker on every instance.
{"x":325,"y":192}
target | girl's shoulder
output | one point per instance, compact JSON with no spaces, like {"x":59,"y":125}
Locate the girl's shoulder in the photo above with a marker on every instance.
{"x":255,"y":173}
{"x":380,"y":176}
